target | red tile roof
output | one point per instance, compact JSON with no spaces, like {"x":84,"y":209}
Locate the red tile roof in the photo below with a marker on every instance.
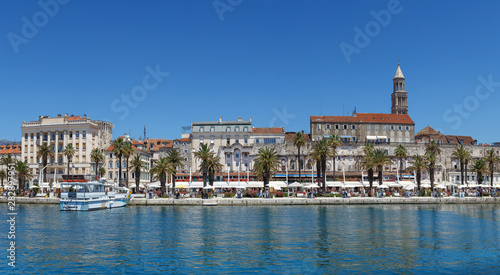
{"x":268,"y":130}
{"x":185,"y":140}
{"x":72,"y":118}
{"x":427,"y":134}
{"x":366,"y":118}
{"x":290,"y":135}
{"x":10,"y":149}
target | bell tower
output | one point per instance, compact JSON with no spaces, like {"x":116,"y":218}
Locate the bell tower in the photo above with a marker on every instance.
{"x":399,"y":96}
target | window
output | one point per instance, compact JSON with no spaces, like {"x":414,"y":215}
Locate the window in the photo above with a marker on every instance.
{"x":202,"y":129}
{"x":176,"y":143}
{"x":344,"y":127}
{"x":257,"y":140}
{"x":353,"y":127}
{"x":384,"y":128}
{"x":117,"y":165}
{"x":245,"y":129}
{"x":185,"y":159}
{"x":392,"y":128}
{"x":70,"y":135}
{"x":269,"y":140}
{"x":337,"y":126}
{"x":237,"y":155}
{"x":53,"y":136}
{"x":400,"y":128}
{"x":237,"y":141}
{"x":211,"y":140}
{"x":237,"y":128}
{"x":201,"y":139}
{"x":77,"y":134}
{"x":110,"y":175}
{"x":407,"y":139}
{"x":328,"y":126}
{"x":84,"y":134}
{"x":212,"y":129}
{"x":228,"y":156}
{"x":407,"y":128}
{"x":368,"y":127}
{"x":228,"y":141}
{"x":353,"y":138}
{"x":228,"y":129}
{"x":245,"y":141}
{"x":376,"y":127}
{"x":124,"y":164}
{"x":319,"y":127}
{"x":185,"y":151}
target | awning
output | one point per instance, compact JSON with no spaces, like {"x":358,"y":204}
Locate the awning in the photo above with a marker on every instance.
{"x":255,"y":184}
{"x":371,"y":137}
{"x":381,"y":137}
{"x":345,"y":136}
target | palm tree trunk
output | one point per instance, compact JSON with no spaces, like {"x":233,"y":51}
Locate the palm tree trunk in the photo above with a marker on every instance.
{"x":323,"y":176}
{"x":120,"y":171}
{"x":137,"y":178}
{"x":318,"y":174}
{"x":431,"y":170}
{"x":333,"y":169}
{"x":44,"y":170}
{"x":97,"y":170}
{"x":370,"y":178}
{"x":462,"y":172}
{"x":68,"y":167}
{"x":204,"y":168}
{"x":491,"y":175}
{"x":419,"y":175}
{"x":380,"y":175}
{"x":163,"y":177}
{"x":173,"y":181}
{"x":298,"y":163}
{"x":400,"y":168}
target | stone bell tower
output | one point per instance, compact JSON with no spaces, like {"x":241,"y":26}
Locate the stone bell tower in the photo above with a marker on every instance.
{"x":399,"y":96}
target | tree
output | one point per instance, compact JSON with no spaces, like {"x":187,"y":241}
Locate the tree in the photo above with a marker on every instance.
{"x":213,"y":166}
{"x":298,"y":141}
{"x":137,"y":166}
{"x":432,"y":151}
{"x":174,"y":158}
{"x":479,"y":167}
{"x":461,"y":154}
{"x":431,"y":162}
{"x":267,"y":163}
{"x":7,"y":160}
{"x":102,"y":171}
{"x":44,"y":152}
{"x":96,"y":156}
{"x":161,"y":169}
{"x":118,"y":149}
{"x":380,"y":159}
{"x":418,"y":165}
{"x":204,"y":154}
{"x":69,"y":152}
{"x":3,"y":175}
{"x":367,"y":162}
{"x":401,"y":153}
{"x":127,"y":152}
{"x":491,"y":160}
{"x":23,"y":173}
{"x":334,"y":142}
{"x":320,"y":151}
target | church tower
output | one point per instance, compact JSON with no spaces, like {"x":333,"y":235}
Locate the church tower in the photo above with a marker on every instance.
{"x":399,"y":96}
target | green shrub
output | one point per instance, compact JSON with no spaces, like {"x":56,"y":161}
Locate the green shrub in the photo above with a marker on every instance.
{"x":421,"y":193}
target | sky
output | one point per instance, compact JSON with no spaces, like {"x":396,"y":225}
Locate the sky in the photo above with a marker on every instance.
{"x":166,"y":64}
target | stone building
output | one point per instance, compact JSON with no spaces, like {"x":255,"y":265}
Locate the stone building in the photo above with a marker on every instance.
{"x":82,"y":132}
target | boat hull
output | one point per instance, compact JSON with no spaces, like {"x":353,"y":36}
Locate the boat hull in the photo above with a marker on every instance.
{"x":89,"y":205}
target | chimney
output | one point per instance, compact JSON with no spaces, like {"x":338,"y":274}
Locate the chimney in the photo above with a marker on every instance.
{"x":250,"y":120}
{"x":302,"y":131}
{"x":240,"y":119}
{"x":220,"y":119}
{"x":58,"y":115}
{"x":84,"y":115}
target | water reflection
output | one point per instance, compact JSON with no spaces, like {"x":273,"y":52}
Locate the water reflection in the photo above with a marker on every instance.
{"x":279,"y":239}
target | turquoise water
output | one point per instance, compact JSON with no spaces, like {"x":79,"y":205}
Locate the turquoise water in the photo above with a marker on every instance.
{"x":266,"y":239}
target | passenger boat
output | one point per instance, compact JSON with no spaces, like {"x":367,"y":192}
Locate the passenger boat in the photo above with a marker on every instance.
{"x":80,"y":194}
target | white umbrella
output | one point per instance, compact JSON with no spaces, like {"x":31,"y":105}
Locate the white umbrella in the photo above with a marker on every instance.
{"x":425,"y":185}
{"x":312,"y":185}
{"x":255,"y":184}
{"x":383,"y":186}
{"x":392,"y":184}
{"x":440,"y":186}
{"x":334,"y":184}
{"x":295,"y":185}
{"x":409,"y":186}
{"x":208,"y":187}
{"x":353,"y":184}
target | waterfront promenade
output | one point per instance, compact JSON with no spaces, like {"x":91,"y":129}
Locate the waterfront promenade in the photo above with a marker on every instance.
{"x":284,"y":201}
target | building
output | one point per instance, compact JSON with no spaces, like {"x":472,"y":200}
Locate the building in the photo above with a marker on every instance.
{"x":82,"y":132}
{"x":371,"y":127}
{"x":428,"y":134}
{"x":112,"y":164}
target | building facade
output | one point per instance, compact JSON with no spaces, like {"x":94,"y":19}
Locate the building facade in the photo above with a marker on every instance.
{"x":57,"y":132}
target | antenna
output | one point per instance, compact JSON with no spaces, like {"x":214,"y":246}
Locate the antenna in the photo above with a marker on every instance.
{"x":144,"y":132}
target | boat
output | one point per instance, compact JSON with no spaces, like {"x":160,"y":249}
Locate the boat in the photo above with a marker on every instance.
{"x":80,"y":194}
{"x":209,"y":204}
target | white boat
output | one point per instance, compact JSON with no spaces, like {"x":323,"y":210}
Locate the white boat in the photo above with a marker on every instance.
{"x":81,"y":195}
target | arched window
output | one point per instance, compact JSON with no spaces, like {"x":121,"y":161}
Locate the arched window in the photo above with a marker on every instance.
{"x":237,"y":128}
{"x":212,"y":129}
{"x":202,"y":129}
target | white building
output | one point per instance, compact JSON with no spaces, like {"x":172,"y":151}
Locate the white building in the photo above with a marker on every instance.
{"x":82,"y":132}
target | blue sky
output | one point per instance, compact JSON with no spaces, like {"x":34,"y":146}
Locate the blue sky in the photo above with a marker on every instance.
{"x":278,"y":62}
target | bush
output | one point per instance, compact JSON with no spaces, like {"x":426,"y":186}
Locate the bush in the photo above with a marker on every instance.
{"x":250,"y":194}
{"x":228,"y":195}
{"x":429,"y":193}
{"x":279,"y":194}
{"x":421,"y":193}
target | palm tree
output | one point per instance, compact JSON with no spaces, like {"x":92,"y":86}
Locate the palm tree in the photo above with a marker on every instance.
{"x":23,"y":173}
{"x":380,"y":159}
{"x":44,"y":152}
{"x":96,"y":156}
{"x":320,"y":151}
{"x":204,"y":153}
{"x":127,"y":152}
{"x":118,"y":149}
{"x":69,"y":152}
{"x":213,"y":166}
{"x":418,"y":165}
{"x":479,"y":167}
{"x":491,"y":159}
{"x":401,"y":152}
{"x":432,"y":151}
{"x":298,"y":141}
{"x":431,"y":162}
{"x":102,"y":171}
{"x":137,"y":165}
{"x":367,"y":162}
{"x":3,"y":175}
{"x":174,"y":158}
{"x":334,"y":142}
{"x":7,"y":160}
{"x":161,"y":169}
{"x":267,"y":163}
{"x":461,"y":154}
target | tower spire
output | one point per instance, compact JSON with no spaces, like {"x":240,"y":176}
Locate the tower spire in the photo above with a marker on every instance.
{"x":399,"y":95}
